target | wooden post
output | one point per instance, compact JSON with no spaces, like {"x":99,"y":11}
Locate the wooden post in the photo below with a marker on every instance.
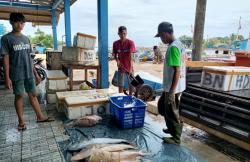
{"x":199,"y":29}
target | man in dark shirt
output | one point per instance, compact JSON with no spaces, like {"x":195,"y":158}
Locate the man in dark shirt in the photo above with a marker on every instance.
{"x":20,"y":74}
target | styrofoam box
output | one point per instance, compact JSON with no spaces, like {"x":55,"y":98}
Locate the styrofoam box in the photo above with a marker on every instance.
{"x":80,"y":111}
{"x":56,"y":81}
{"x":88,"y":93}
{"x":56,"y":85}
{"x":51,"y":98}
{"x":76,"y":107}
{"x":84,"y":41}
{"x":226,"y":78}
{"x":77,"y":54}
{"x":152,"y":106}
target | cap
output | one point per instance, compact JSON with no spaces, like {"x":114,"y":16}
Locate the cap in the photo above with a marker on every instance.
{"x":164,"y":27}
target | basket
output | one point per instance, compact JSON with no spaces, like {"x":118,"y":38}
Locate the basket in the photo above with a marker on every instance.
{"x":128,"y":111}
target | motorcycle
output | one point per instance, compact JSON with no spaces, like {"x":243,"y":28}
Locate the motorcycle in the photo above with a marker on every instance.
{"x":39,"y":67}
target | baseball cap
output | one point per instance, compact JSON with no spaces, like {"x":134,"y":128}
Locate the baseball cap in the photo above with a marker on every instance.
{"x":164,"y":27}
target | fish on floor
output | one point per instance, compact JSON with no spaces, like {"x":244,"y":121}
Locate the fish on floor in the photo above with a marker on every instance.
{"x":86,"y":121}
{"x":88,"y":151}
{"x":95,"y":141}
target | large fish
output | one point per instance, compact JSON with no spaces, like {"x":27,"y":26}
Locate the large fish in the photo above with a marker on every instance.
{"x":94,"y":141}
{"x":123,"y":156}
{"x":86,"y":121}
{"x":87,"y":152}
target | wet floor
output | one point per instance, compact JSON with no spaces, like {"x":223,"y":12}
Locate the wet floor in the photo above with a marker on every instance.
{"x":44,"y":141}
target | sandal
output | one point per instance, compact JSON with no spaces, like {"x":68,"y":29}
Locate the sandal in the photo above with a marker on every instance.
{"x":49,"y":119}
{"x":21,"y":127}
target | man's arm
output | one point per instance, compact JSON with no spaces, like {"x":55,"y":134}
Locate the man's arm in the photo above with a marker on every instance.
{"x":176,"y":78}
{"x":6,"y":65}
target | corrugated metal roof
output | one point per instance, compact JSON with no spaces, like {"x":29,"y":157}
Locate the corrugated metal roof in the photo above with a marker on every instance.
{"x":36,"y":11}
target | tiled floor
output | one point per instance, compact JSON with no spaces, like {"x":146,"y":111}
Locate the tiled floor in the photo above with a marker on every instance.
{"x":38,"y":143}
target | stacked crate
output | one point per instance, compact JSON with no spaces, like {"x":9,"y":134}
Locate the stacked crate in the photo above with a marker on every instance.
{"x":82,"y":52}
{"x":56,"y":82}
{"x":227,"y":112}
{"x":53,"y":60}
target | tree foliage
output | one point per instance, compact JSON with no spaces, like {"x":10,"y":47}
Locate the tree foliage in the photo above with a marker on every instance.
{"x":42,"y":38}
{"x":186,"y":40}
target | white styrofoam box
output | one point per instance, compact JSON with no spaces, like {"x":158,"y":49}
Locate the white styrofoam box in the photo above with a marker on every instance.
{"x":87,"y":93}
{"x":56,"y":81}
{"x":153,"y":106}
{"x":56,"y":85}
{"x":51,"y":98}
{"x":76,"y":107}
{"x":84,"y":41}
{"x":226,"y":78}
{"x":79,"y":55}
{"x":81,"y":111}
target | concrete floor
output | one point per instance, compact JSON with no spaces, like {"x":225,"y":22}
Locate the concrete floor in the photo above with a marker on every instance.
{"x":40,"y":141}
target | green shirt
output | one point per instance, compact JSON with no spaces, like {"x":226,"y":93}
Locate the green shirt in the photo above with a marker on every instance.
{"x":174,"y":58}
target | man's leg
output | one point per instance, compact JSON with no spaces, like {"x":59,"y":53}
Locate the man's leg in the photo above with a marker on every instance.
{"x":19,"y":109}
{"x":36,"y":106}
{"x":30,"y":88}
{"x":120,"y":81}
{"x":174,"y":121}
{"x":18,"y":90}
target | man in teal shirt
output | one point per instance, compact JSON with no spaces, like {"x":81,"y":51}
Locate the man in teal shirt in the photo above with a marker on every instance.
{"x":174,"y":82}
{"x":20,"y":74}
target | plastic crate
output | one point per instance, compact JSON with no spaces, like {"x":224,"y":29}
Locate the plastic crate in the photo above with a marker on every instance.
{"x":128,"y":111}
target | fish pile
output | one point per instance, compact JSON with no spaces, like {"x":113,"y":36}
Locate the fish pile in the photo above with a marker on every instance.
{"x":105,"y":150}
{"x":86,"y":121}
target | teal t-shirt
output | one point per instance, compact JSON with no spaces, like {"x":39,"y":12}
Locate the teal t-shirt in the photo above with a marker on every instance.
{"x":19,"y":49}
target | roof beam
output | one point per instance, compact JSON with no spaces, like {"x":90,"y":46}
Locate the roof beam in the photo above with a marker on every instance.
{"x":25,"y":5}
{"x":56,"y":4}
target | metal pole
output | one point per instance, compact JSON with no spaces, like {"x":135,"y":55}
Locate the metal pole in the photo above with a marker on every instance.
{"x":67,"y":22}
{"x":199,"y":29}
{"x":54,"y":29}
{"x":103,"y":41}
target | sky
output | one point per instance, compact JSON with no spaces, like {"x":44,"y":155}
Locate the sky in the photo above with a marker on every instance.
{"x":141,"y":17}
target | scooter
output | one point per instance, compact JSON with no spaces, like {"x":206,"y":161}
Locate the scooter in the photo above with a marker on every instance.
{"x":39,"y":67}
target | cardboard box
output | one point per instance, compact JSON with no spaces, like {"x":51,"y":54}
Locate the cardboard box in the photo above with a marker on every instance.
{"x":226,"y":78}
{"x":53,"y":60}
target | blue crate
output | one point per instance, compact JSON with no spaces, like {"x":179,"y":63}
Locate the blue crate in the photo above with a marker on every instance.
{"x":128,"y":111}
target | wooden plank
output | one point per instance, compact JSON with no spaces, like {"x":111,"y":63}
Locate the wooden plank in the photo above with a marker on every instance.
{"x":221,"y":135}
{"x":208,"y":63}
{"x":56,"y":75}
